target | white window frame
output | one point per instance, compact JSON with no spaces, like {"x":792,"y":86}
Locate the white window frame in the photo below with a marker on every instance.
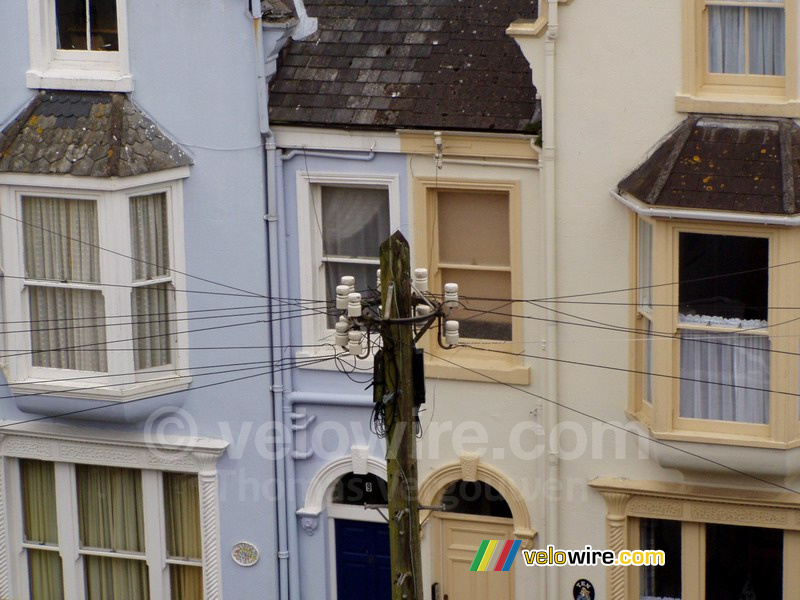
{"x":60,"y":445}
{"x":312,"y":273}
{"x":116,"y":275}
{"x":86,"y":70}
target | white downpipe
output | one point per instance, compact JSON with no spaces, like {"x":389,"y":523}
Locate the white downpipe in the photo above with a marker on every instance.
{"x":646,"y":210}
{"x":549,"y":177}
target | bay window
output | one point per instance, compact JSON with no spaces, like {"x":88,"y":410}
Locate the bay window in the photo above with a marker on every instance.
{"x":92,"y":290}
{"x":115,"y":507}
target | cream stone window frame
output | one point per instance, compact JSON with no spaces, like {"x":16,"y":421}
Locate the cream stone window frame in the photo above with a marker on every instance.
{"x":312,"y":264}
{"x":66,"y":447}
{"x":643,"y":339}
{"x":504,"y":367}
{"x":86,"y":70}
{"x":112,"y":197}
{"x":760,"y":95}
{"x":694,"y":506}
{"x":663,"y":417}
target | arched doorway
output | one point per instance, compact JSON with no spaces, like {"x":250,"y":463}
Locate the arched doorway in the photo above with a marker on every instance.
{"x":473,"y":511}
{"x":360,"y":538}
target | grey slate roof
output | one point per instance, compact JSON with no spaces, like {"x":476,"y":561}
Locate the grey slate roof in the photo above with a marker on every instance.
{"x":277,"y":11}
{"x":93,"y":134}
{"x":723,"y":163}
{"x":426,"y":64}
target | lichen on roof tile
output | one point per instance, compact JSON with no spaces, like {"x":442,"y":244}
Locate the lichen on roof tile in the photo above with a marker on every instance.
{"x":78,"y":133}
{"x":455,"y":52}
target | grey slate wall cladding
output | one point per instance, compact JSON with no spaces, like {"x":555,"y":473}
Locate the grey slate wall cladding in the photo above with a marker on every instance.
{"x":94,"y":134}
{"x":445,"y":64}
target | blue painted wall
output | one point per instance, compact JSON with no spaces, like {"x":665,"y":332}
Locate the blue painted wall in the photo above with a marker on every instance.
{"x":194,"y":68}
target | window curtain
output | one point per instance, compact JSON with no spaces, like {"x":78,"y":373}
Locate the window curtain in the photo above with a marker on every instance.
{"x":40,"y":526}
{"x":111,"y":518}
{"x":151,"y":304}
{"x":725,"y":376}
{"x":767,"y":41}
{"x":61,"y":245}
{"x":354,"y":223}
{"x":727,"y":43}
{"x":184,"y":540}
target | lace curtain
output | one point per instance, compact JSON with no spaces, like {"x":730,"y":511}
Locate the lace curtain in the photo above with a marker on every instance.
{"x":725,"y":376}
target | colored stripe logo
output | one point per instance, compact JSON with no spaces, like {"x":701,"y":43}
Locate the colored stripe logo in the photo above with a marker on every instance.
{"x":495,"y":555}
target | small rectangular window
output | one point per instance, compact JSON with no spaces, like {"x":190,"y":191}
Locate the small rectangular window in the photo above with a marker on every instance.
{"x":354,"y":223}
{"x":87,"y":25}
{"x":746,"y":37}
{"x":475,"y":253}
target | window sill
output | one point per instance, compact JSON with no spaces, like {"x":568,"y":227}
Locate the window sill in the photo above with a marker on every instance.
{"x":125,"y":403}
{"x":749,"y":105}
{"x":456,"y":364}
{"x":80,"y":80}
{"x":757,"y":456}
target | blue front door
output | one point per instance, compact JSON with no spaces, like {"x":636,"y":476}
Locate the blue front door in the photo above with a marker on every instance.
{"x":363,"y":569}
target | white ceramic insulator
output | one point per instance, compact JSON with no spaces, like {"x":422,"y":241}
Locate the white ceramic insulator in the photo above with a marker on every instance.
{"x":378,"y":280}
{"x":423,"y":309}
{"x":341,"y":333}
{"x":421,"y":280}
{"x":350,"y":282}
{"x":451,"y":332}
{"x":451,"y":295}
{"x":342,"y":292}
{"x":354,"y":342}
{"x":354,"y":305}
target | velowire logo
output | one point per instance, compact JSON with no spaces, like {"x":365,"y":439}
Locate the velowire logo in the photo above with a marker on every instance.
{"x":495,"y":555}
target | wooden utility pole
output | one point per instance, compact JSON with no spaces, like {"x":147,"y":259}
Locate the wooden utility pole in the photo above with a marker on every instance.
{"x":400,"y":418}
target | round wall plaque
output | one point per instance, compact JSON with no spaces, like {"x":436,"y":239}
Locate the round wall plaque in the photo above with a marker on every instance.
{"x":583,"y":590}
{"x":245,"y":554}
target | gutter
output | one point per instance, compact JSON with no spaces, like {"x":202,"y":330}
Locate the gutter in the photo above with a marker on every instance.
{"x":646,"y":210}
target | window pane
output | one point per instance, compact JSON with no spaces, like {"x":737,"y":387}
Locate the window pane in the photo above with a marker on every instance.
{"x":149,"y":236}
{"x":365,"y":275}
{"x":473,"y":228}
{"x":645,"y":264}
{"x":767,"y":41}
{"x":182,"y":508}
{"x":103,"y":21}
{"x":67,"y":328}
{"x":647,"y":376}
{"x":45,"y":580}
{"x":661,"y":581}
{"x":355,"y":221}
{"x":743,"y":562}
{"x":724,"y":276}
{"x":39,"y":501}
{"x":475,"y":498}
{"x":110,"y":508}
{"x":482,"y":319}
{"x":726,"y":39}
{"x":61,"y":240}
{"x":725,"y":376}
{"x":116,"y":578}
{"x":152,"y":321}
{"x":186,"y":582}
{"x":71,"y":24}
